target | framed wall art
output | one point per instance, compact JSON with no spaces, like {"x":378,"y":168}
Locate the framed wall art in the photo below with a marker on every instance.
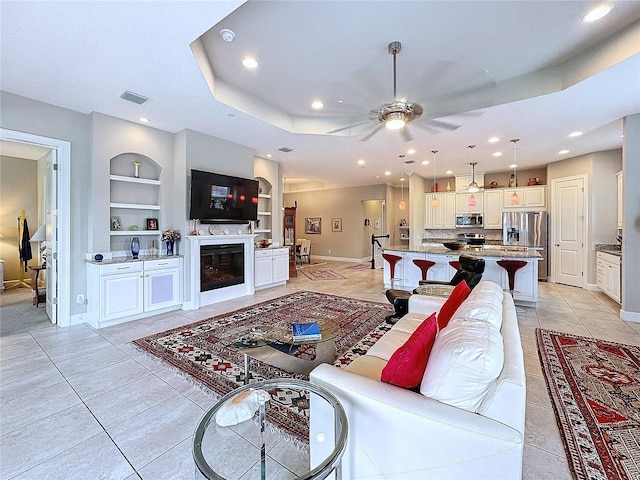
{"x":336,"y":224}
{"x":312,"y":225}
{"x":152,"y":224}
{"x":116,"y":223}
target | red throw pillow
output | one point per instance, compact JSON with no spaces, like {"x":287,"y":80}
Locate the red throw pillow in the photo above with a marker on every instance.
{"x":406,"y":366}
{"x":458,"y":295}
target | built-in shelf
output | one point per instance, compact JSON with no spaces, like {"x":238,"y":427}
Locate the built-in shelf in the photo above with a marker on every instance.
{"x":122,"y":178}
{"x":134,"y":233}
{"x":135,"y":206}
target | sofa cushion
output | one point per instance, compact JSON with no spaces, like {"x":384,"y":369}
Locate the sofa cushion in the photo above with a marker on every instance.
{"x":483,"y":303}
{"x":368,"y":366}
{"x":465,"y":360}
{"x":406,"y":366}
{"x":457,"y":296}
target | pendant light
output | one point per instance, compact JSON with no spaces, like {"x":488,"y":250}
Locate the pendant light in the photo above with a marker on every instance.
{"x":402,"y":205}
{"x":473,"y":186}
{"x":515,"y":198}
{"x":434,"y":201}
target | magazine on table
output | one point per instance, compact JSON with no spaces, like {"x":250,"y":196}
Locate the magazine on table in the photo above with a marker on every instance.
{"x":305,"y":331}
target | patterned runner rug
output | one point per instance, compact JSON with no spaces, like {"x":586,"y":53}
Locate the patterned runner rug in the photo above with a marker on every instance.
{"x":360,"y":266}
{"x":594,"y":387}
{"x":322,"y":274}
{"x":204,"y":350}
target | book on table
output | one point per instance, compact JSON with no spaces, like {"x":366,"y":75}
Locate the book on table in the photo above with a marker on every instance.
{"x":305,"y":331}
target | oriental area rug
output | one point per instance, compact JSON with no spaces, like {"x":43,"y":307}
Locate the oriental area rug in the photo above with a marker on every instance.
{"x":594,"y":386}
{"x":205,"y":351}
{"x":322,"y":274}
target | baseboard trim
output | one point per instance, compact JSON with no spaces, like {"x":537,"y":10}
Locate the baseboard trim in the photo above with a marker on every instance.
{"x":630,"y":316}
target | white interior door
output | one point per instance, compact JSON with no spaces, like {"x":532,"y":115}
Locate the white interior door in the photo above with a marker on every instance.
{"x":51,"y":222}
{"x":568,"y":205}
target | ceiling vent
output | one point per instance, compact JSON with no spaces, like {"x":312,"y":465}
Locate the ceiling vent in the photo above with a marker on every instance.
{"x":286,"y":149}
{"x":134,"y":97}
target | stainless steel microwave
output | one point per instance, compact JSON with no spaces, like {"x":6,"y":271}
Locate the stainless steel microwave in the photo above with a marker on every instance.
{"x":469,"y":220}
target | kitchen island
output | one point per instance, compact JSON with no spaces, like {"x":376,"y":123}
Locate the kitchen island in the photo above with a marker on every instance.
{"x":407,"y":275}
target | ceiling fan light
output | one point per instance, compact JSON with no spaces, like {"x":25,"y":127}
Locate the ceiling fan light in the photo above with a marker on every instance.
{"x":394,"y":120}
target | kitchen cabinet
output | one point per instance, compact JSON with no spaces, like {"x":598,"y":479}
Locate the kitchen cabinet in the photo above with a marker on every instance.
{"x":463,"y":200}
{"x":530,"y":198}
{"x":444,"y":215}
{"x":620,"y":199}
{"x":271,"y":267}
{"x":608,"y":274}
{"x":463,"y":181}
{"x":493,"y":201}
{"x":119,"y":292}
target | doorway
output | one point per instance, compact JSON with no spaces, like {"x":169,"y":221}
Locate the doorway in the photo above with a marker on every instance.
{"x":56,"y":217}
{"x":568,"y":200}
{"x":373,"y":221}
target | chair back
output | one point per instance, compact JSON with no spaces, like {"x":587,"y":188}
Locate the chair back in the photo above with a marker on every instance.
{"x":305,"y":247}
{"x":471,"y":270}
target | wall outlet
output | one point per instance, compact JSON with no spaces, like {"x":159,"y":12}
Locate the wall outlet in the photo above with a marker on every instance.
{"x":80,"y":299}
{"x":329,"y":251}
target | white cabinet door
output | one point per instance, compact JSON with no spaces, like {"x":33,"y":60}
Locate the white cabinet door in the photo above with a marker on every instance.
{"x":614,"y":281}
{"x":469,"y":202}
{"x":121,"y":295}
{"x":535,"y":197}
{"x":161,"y":289}
{"x":527,"y":198}
{"x":263,"y":261}
{"x":280,"y":265}
{"x":449,"y":212}
{"x":493,"y":209}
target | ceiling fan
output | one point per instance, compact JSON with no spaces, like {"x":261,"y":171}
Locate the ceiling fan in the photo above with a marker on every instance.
{"x":397,"y":114}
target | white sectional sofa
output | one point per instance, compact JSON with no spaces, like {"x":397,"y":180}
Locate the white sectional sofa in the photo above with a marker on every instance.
{"x":464,"y":428}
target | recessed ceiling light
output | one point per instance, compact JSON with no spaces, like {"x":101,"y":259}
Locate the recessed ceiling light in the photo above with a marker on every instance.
{"x":497,"y":154}
{"x":563,"y":152}
{"x":513,"y":165}
{"x":575,"y":134}
{"x":317,"y":105}
{"x":597,"y":13}
{"x":268,"y":155}
{"x":340,"y":100}
{"x":387,"y":173}
{"x":361,"y":162}
{"x":250,"y":62}
{"x":402,"y":179}
{"x":449,"y":172}
{"x":144,"y":119}
{"x":411,"y":151}
{"x":227,"y":35}
{"x":425,"y":162}
{"x":494,"y":139}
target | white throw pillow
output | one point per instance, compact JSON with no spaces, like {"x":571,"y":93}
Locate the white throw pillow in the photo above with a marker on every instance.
{"x":466,"y":359}
{"x":483,"y":303}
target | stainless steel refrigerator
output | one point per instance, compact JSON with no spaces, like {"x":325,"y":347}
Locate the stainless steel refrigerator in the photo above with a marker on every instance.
{"x":528,"y":229}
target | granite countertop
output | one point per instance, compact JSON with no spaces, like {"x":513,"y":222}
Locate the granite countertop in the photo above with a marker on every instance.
{"x":610,"y":248}
{"x":141,"y":258}
{"x":486,"y":251}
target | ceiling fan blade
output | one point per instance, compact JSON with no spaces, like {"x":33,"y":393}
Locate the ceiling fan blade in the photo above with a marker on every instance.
{"x":375,"y":130}
{"x":353,"y":125}
{"x":406,"y":134}
{"x":442,"y":124}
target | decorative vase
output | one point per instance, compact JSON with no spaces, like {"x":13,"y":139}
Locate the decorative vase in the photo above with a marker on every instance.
{"x":135,"y":247}
{"x":176,"y":244}
{"x":153,"y":251}
{"x":169,"y":247}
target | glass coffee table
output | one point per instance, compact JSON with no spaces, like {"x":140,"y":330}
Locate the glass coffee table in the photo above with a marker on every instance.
{"x":275,"y":346}
{"x":435,"y":290}
{"x":251,"y":449}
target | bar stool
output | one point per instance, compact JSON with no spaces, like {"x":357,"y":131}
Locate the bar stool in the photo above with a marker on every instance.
{"x":424,"y":266}
{"x":512,"y":266}
{"x":455,"y":264}
{"x":392,"y":260}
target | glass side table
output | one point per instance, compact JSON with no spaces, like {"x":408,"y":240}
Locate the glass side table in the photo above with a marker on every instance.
{"x":434,"y":290}
{"x":245,"y":449}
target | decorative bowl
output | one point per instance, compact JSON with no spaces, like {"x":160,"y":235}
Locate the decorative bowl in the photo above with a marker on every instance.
{"x":454,"y":245}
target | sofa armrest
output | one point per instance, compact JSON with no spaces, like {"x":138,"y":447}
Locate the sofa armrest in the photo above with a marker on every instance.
{"x":402,"y":434}
{"x":426,"y":304}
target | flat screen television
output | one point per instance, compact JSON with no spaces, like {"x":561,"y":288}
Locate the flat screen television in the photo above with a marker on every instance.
{"x":217,"y":198}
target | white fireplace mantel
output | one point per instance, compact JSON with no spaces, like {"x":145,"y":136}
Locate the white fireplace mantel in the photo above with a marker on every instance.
{"x":199,"y":299}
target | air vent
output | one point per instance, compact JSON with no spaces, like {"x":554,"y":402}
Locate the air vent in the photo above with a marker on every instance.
{"x":409,"y":162}
{"x":286,"y":149}
{"x":134,"y":97}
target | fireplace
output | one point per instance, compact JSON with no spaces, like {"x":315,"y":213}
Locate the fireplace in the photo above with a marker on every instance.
{"x":221,"y":266}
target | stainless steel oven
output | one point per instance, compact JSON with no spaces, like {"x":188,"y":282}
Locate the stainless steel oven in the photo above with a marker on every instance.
{"x":469,"y":220}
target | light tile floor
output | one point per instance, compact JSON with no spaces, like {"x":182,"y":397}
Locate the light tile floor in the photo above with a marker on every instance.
{"x":81,"y":403}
